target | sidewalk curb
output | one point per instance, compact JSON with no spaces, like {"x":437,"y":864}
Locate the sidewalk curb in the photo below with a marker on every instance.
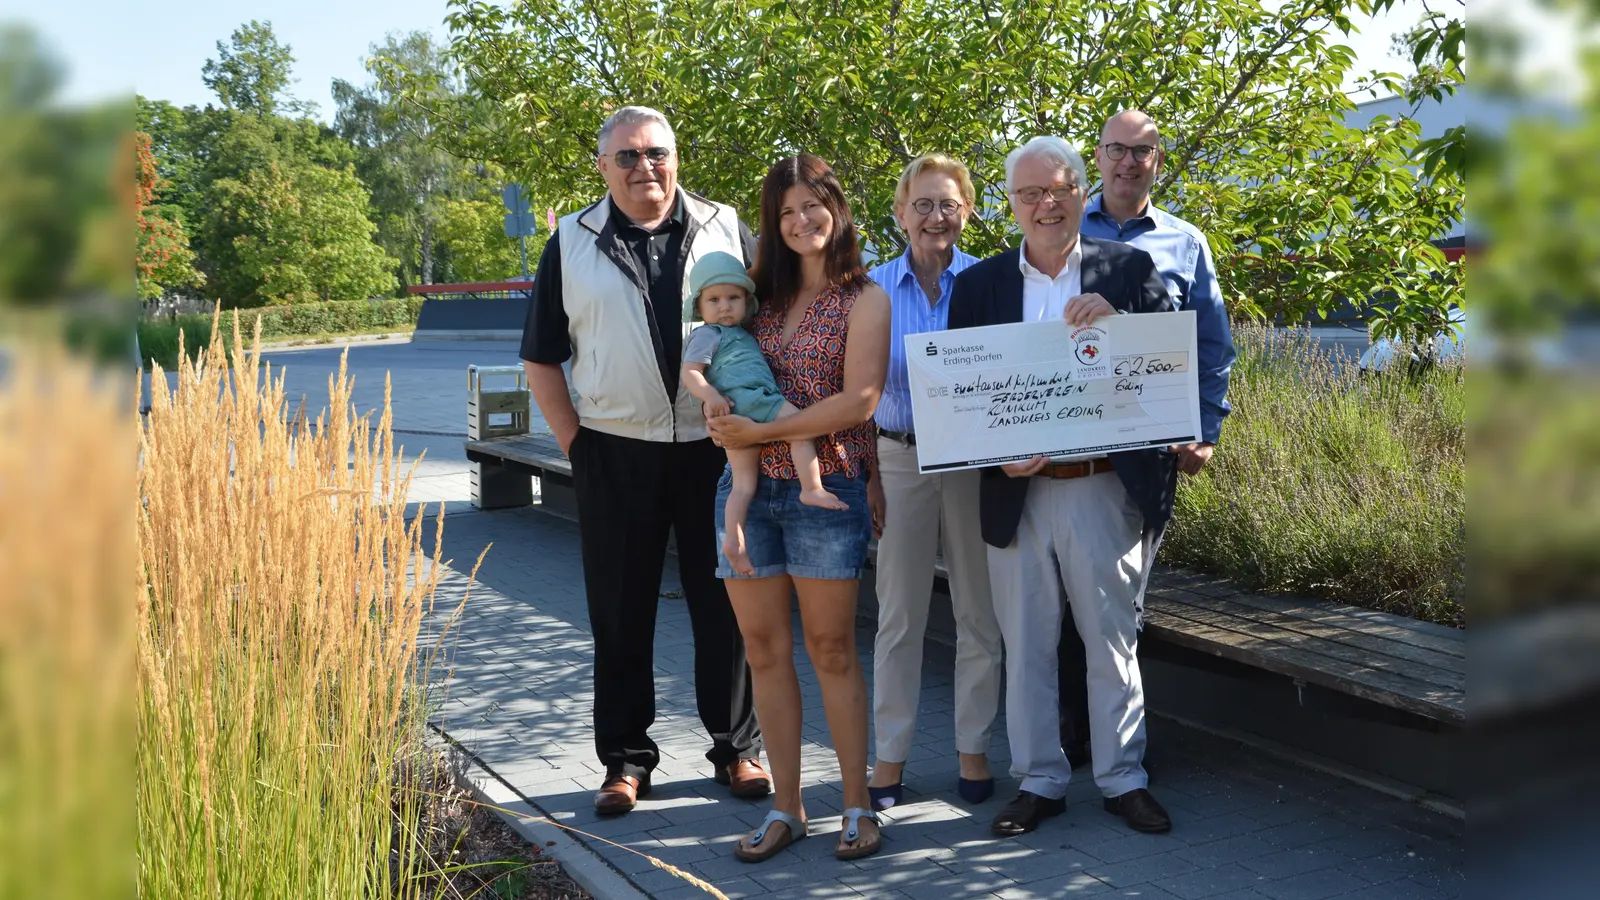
{"x":584,"y":866}
{"x":335,"y":341}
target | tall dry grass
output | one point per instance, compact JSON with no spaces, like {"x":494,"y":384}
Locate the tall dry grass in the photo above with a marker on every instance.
{"x":67,"y":552}
{"x":282,"y":594}
{"x":1332,"y":483}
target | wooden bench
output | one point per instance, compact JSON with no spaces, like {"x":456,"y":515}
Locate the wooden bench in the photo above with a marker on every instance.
{"x":536,"y":454}
{"x":1403,"y":664}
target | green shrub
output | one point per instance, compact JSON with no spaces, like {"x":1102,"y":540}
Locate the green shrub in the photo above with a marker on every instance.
{"x":1332,"y":483}
{"x":101,"y":335}
{"x":1535,"y":489}
{"x":158,"y":338}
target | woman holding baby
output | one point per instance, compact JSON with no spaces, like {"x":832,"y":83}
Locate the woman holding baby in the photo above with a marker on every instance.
{"x":822,"y":327}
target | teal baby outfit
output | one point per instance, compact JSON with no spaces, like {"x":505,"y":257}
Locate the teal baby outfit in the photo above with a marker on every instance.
{"x":734,"y":364}
{"x":737,"y":369}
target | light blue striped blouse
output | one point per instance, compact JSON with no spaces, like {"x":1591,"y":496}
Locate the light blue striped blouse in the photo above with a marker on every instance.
{"x":912,"y":314}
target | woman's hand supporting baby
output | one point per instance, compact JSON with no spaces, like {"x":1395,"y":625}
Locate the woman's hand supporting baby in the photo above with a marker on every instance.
{"x":735,"y":432}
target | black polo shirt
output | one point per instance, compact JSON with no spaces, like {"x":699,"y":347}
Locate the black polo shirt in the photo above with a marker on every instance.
{"x":657,"y":253}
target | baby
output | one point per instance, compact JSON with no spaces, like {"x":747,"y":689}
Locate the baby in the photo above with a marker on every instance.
{"x":723,"y":367}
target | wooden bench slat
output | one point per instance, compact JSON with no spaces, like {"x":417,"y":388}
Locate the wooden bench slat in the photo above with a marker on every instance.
{"x":537,"y":450}
{"x":1219,"y":643}
{"x":1381,"y":687}
{"x":1426,"y":677}
{"x":1427,"y":665}
{"x":1438,"y":638}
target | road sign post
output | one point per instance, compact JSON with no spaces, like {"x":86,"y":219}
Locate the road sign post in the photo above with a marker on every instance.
{"x":520,"y":221}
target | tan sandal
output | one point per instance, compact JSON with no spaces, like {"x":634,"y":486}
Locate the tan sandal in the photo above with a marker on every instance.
{"x":793,"y":830}
{"x":852,"y":833}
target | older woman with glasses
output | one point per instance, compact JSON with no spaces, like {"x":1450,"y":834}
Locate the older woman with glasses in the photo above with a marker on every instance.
{"x":914,"y":514}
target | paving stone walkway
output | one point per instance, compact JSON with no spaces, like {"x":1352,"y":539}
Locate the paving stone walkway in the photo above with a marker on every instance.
{"x":1247,"y":824}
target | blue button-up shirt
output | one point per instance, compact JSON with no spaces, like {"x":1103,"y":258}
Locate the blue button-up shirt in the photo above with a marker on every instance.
{"x":911,"y":313}
{"x":1183,"y":257}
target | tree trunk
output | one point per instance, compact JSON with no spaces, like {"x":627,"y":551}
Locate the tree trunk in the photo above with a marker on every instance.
{"x":427,"y":250}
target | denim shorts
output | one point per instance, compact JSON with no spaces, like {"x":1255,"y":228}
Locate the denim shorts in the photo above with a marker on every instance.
{"x":783,"y":536}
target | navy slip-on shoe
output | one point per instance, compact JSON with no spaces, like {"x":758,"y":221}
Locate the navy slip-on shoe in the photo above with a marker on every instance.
{"x":885,"y":797}
{"x":975,"y":791}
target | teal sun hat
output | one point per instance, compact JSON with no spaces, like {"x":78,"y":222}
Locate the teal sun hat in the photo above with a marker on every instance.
{"x":716,"y":267}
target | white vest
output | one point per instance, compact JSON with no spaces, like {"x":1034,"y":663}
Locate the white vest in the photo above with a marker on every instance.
{"x":615,"y":380}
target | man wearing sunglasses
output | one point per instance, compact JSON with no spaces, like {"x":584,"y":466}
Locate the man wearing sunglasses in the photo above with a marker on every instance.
{"x":608,"y":296}
{"x":1129,"y":158}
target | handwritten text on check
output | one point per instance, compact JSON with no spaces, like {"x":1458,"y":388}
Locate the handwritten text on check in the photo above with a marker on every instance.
{"x":992,"y":395}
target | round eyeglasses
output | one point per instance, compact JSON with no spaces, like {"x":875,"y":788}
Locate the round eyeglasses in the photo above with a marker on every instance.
{"x":1141,"y":152}
{"x":923,"y":206}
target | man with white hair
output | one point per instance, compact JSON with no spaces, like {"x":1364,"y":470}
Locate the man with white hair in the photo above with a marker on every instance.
{"x":608,"y":296}
{"x":1072,"y":524}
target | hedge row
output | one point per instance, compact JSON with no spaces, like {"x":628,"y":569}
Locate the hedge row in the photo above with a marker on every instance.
{"x":158,"y":338}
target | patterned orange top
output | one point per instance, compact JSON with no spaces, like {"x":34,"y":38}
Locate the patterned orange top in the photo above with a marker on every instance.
{"x":809,"y":369}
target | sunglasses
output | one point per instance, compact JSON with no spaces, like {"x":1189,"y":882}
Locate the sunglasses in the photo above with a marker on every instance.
{"x":627,"y":159}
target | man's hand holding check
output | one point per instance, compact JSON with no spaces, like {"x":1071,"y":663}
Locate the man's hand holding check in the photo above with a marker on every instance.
{"x":1081,"y":310}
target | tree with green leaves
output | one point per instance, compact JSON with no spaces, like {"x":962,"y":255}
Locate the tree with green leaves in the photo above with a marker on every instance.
{"x":476,"y":246}
{"x":301,"y":235}
{"x":409,"y":173}
{"x":1536,"y":192}
{"x":1303,"y":212}
{"x":251,"y":72}
{"x":229,"y":167}
{"x":63,"y":180}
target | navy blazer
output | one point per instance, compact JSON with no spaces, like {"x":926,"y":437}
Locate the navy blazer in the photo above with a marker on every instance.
{"x":990,"y":293}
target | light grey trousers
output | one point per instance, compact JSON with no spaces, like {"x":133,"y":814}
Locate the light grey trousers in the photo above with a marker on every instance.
{"x":919,"y":511}
{"x":1084,"y":534}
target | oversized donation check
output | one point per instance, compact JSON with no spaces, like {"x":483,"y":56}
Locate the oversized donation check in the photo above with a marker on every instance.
{"x":997,"y":394}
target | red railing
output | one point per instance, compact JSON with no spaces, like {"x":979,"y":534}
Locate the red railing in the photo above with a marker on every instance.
{"x":471,"y":287}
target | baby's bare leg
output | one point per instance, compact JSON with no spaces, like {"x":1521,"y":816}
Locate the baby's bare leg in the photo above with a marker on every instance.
{"x":812,"y":493}
{"x":746,"y":465}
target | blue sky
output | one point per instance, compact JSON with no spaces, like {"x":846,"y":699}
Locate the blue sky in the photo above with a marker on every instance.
{"x":110,"y":52}
{"x":329,"y":39}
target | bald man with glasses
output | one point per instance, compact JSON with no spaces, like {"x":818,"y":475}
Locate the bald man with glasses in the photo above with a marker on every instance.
{"x":1130,"y":158}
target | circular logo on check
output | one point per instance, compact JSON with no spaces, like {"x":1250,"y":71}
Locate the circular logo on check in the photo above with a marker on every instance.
{"x":1088,"y":344}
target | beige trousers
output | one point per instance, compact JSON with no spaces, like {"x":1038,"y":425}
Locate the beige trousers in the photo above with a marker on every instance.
{"x":920,"y":510}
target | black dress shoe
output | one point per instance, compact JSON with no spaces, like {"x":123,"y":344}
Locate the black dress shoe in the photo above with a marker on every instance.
{"x":1024,"y":814}
{"x":1141,"y":811}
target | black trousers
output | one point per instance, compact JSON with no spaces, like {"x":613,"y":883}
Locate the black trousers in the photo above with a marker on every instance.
{"x":630,"y":494}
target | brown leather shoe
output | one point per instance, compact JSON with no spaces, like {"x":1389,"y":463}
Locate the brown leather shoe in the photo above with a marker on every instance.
{"x":745,"y":779}
{"x":619,"y":794}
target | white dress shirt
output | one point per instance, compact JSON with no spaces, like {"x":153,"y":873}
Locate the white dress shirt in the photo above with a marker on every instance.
{"x":1045,"y":298}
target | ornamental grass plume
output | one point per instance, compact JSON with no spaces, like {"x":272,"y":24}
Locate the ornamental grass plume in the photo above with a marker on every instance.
{"x":67,"y":564}
{"x":282,"y":591}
